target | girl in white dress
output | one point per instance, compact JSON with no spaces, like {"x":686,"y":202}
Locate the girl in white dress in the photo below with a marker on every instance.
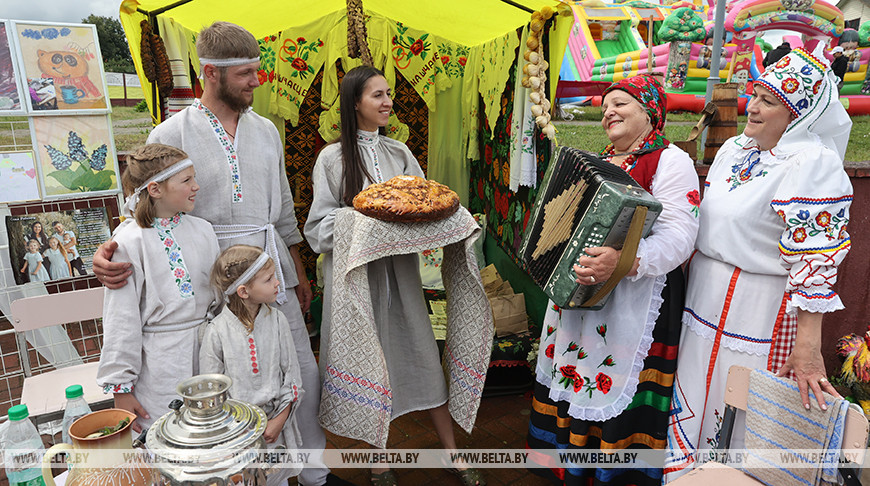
{"x":251,"y":343}
{"x":33,"y":261}
{"x":152,"y":324}
{"x":56,"y":255}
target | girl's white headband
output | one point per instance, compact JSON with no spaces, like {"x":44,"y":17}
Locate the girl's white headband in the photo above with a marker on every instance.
{"x":133,"y":199}
{"x":249,"y":274}
{"x":229,"y":62}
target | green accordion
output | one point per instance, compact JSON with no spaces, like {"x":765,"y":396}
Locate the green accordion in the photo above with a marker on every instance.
{"x":584,"y":202}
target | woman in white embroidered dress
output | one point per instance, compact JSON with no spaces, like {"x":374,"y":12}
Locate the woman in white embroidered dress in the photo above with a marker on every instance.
{"x":151,"y":326}
{"x":773,"y":230}
{"x":363,"y":156}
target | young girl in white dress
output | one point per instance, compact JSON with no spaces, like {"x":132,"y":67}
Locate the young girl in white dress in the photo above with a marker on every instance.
{"x":33,"y":261}
{"x":56,"y":255}
{"x":152,"y":324}
{"x":250,"y":342}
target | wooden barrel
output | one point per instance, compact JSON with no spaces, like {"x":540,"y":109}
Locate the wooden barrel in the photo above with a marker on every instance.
{"x":724,"y":124}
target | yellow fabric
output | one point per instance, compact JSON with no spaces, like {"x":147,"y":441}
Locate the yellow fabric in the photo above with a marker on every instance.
{"x":454,"y":58}
{"x":468,"y":22}
{"x":558,"y":44}
{"x":299,"y":53}
{"x":470,"y":106}
{"x":130,"y":20}
{"x":447,"y":163}
{"x":496,"y":59}
{"x":391,"y":46}
{"x":414,"y":54}
{"x":453,"y":24}
{"x":329,"y":124}
{"x":378,"y":30}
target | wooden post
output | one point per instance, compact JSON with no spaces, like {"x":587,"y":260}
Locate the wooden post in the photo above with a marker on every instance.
{"x":724,"y":124}
{"x":649,"y":41}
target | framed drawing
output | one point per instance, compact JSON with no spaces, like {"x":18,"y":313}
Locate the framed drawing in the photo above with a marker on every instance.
{"x":11,"y":92}
{"x":63,"y":68}
{"x":76,"y":155}
{"x":18,"y":177}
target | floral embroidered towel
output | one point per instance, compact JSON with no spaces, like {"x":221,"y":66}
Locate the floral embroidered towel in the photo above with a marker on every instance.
{"x":523,"y":161}
{"x":356,"y":398}
{"x":299,"y":54}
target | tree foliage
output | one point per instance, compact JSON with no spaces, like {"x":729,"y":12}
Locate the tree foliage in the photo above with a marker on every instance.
{"x":682,"y":25}
{"x":864,"y":34}
{"x":113,"y":43}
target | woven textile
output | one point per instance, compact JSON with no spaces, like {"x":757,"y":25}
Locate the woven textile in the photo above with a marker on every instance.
{"x":413,"y":111}
{"x":301,"y":144}
{"x":356,"y":400}
{"x":506,"y":211}
{"x":777,"y":422}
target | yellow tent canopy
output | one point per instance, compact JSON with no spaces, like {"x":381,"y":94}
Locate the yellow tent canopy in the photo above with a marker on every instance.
{"x":464,"y":22}
{"x":468,"y":22}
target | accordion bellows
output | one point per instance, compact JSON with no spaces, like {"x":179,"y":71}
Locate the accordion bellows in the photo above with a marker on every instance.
{"x":407,"y":199}
{"x":584,"y":202}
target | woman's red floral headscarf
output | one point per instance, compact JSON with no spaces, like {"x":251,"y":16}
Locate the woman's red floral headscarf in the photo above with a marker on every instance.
{"x":649,"y":92}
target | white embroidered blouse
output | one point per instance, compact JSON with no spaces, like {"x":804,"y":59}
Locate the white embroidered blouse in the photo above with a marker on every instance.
{"x":801,"y":231}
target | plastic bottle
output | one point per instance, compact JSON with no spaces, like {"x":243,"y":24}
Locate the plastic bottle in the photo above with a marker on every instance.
{"x":24,"y":450}
{"x":76,"y":407}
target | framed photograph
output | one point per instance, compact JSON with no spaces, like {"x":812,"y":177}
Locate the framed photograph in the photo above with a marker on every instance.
{"x":11,"y":92}
{"x":56,"y":245}
{"x":76,"y":155}
{"x":63,"y":68}
{"x":18,"y":177}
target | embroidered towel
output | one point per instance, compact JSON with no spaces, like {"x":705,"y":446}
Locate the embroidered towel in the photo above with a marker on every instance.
{"x":356,"y":396}
{"x":777,"y":423}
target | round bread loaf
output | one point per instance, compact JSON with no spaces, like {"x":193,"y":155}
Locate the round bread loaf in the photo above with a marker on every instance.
{"x":407,"y":199}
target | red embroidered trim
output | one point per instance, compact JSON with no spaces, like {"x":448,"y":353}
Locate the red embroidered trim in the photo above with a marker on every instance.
{"x":719,"y":331}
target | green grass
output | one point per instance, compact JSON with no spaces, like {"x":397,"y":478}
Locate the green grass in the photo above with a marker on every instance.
{"x":132,"y":93}
{"x":592,"y":137}
{"x":129,"y":113}
{"x":125,"y":142}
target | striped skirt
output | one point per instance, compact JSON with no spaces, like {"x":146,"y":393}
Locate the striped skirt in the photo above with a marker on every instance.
{"x":643,"y":425}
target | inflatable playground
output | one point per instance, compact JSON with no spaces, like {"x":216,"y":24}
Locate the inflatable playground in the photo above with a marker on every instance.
{"x":609,"y":42}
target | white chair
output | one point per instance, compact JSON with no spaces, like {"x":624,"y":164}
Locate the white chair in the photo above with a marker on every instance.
{"x":855,"y":435}
{"x":43,"y":393}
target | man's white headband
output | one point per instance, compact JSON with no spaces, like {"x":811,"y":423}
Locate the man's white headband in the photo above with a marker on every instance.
{"x":133,"y":199}
{"x":249,"y":273}
{"x":228,"y":62}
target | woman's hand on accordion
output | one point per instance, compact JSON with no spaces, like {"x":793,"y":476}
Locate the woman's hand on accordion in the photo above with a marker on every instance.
{"x":599,"y":265}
